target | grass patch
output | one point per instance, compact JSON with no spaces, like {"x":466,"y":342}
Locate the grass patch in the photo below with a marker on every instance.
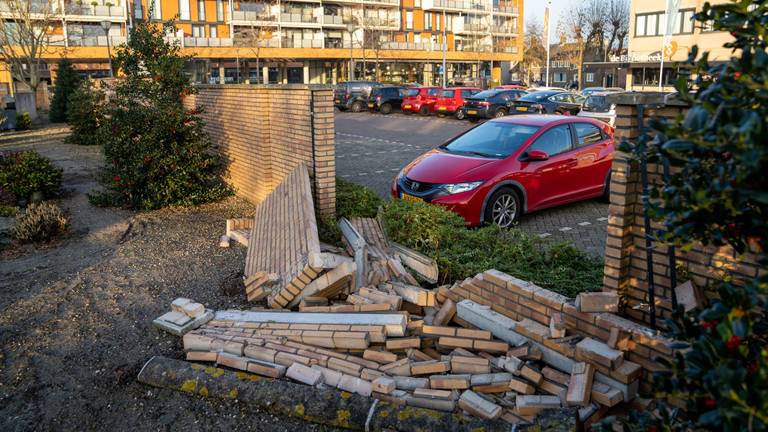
{"x":461,"y":253}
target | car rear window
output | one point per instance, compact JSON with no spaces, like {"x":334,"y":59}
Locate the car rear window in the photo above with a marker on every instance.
{"x":468,"y":93}
{"x":535,"y":96}
{"x":588,"y":134}
{"x":412,"y":92}
{"x":596,"y":103}
{"x":492,"y":139}
{"x":486,"y":94}
{"x":447,"y":93}
{"x":432,"y":91}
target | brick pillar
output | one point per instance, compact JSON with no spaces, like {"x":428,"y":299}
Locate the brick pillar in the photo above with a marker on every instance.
{"x":324,"y":152}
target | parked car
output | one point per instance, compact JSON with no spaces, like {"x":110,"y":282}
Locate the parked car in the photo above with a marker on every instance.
{"x":450,"y":100}
{"x":597,"y":107}
{"x":510,"y":87}
{"x":506,"y":167}
{"x":490,"y":104}
{"x":537,"y":89}
{"x":353,"y":95}
{"x":420,"y":100}
{"x":547,"y":102}
{"x":385,"y":99}
{"x":589,"y":90}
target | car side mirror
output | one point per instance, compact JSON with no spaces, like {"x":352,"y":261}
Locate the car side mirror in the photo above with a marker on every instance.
{"x":536,"y":155}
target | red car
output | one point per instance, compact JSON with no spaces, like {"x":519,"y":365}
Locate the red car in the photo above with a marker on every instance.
{"x":450,"y":100}
{"x":495,"y":172}
{"x":419,"y":100}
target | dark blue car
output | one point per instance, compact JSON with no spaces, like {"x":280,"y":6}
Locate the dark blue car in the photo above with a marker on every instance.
{"x":547,"y":102}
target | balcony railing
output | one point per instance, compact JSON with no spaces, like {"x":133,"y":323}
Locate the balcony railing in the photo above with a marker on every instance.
{"x":207,"y":42}
{"x":504,"y":29}
{"x":388,"y":2}
{"x":90,"y":10}
{"x":302,"y":43}
{"x":253,"y":17}
{"x":95,"y":40}
{"x":478,"y":6}
{"x":298,"y":18}
{"x":506,"y":9}
{"x":333,"y":20}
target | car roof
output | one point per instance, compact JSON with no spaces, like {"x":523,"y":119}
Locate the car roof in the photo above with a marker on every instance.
{"x":540,"y":119}
{"x":462,"y":88}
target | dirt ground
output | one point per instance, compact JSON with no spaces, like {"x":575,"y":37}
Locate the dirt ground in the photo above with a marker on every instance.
{"x":75,"y":316}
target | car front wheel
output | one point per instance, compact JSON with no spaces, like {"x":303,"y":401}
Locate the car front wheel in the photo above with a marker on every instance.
{"x":503,"y":209}
{"x":424,"y":111}
{"x":386,"y":108}
{"x":357,"y":107}
{"x":460,"y":115}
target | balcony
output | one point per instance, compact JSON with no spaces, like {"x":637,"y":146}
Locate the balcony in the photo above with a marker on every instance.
{"x":506,"y":10}
{"x":89,"y":41}
{"x":508,"y":50}
{"x":504,"y":29}
{"x":88,"y":10}
{"x":334,"y":20}
{"x":383,"y":2}
{"x":249,"y":17}
{"x":302,"y":43}
{"x":298,"y":18}
{"x":207,"y":42}
{"x":463,"y":5}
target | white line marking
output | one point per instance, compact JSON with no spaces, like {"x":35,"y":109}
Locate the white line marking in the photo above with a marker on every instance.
{"x":564,"y":229}
{"x":585,"y":223}
{"x":602,"y":219}
{"x":544,"y":235}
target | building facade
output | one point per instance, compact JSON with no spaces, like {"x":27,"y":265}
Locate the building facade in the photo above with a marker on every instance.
{"x":646,"y":33}
{"x":303,"y":41}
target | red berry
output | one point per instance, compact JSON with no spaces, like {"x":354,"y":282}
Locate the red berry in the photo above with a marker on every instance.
{"x":733,"y":343}
{"x":116,"y":179}
{"x":710,"y":403}
{"x":653,"y":429}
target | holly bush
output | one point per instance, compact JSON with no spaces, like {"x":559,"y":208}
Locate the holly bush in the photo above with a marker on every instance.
{"x":67,"y":81}
{"x":24,"y":173}
{"x":156,"y":151}
{"x":718,"y":195}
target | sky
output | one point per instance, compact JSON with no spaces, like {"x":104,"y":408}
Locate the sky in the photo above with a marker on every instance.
{"x":534,"y":9}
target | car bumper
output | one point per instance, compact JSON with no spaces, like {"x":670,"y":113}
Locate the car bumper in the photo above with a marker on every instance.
{"x":476,"y":112}
{"x":468,"y":205}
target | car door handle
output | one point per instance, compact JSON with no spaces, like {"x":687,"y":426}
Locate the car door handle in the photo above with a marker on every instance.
{"x":571,"y":162}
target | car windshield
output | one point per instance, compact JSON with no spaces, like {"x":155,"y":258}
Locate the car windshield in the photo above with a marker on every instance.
{"x":596,"y":103}
{"x":535,"y":96}
{"x":447,"y":93}
{"x":412,"y":92}
{"x":485,"y":94}
{"x":492,"y":140}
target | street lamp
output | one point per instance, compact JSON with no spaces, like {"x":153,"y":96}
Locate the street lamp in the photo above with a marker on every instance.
{"x":350,"y":29}
{"x":106,"y":25}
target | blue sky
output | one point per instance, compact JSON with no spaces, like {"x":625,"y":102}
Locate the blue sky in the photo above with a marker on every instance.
{"x":535,"y":9}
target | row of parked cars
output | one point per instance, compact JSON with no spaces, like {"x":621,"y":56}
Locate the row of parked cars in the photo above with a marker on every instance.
{"x":473,"y":103}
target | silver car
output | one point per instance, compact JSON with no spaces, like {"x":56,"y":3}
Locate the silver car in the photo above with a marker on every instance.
{"x":597,"y":107}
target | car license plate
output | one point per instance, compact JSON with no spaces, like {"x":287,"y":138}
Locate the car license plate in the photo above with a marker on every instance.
{"x":406,"y":106}
{"x":406,"y":197}
{"x":370,"y":105}
{"x":442,"y":108}
{"x":472,"y":112}
{"x":522,"y":108}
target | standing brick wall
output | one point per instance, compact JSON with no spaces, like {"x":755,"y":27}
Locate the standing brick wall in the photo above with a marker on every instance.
{"x":264,"y":132}
{"x":625,"y":253}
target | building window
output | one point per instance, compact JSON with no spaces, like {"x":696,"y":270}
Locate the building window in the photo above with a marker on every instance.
{"x":184,"y":13}
{"x":589,"y":77}
{"x":427,"y":20}
{"x":560,"y":77}
{"x":219,"y":10}
{"x":439,"y":21}
{"x":655,"y":23}
{"x":214,"y":31}
{"x":156,"y":12}
{"x":408,"y":20}
{"x":198,"y":30}
{"x":417,"y":3}
{"x":201,"y":10}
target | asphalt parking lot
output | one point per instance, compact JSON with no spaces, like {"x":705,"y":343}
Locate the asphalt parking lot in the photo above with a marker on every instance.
{"x":372,"y":148}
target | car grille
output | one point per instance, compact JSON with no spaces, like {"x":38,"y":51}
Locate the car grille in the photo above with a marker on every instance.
{"x":418,"y":187}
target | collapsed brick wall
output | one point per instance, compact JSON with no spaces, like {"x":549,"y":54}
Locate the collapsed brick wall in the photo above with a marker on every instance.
{"x":625,"y":252}
{"x":264,"y":132}
{"x":518,"y":299}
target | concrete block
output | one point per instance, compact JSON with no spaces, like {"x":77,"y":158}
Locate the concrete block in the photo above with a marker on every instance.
{"x":483,"y":317}
{"x":304,"y":374}
{"x":476,"y":405}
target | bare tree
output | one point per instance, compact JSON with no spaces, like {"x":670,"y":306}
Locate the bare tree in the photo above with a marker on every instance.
{"x":257,"y":35}
{"x":573,"y":28}
{"x":618,"y":25}
{"x":534,"y":50}
{"x":25,"y":35}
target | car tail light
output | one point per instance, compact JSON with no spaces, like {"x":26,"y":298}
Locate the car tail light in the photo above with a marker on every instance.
{"x":378,"y":98}
{"x":537,"y":107}
{"x":484,"y":103}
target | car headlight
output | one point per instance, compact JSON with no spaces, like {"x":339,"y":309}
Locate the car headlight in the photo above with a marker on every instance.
{"x":454,"y":188}
{"x":400,"y":175}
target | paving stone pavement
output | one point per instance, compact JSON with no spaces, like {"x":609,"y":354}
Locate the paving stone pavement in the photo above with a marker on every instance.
{"x":372,"y":148}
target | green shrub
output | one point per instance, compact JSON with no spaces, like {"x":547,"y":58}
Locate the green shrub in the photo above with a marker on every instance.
{"x":24,"y":173}
{"x":461,"y":252}
{"x":157,"y":153}
{"x":23,"y":121}
{"x":8,"y":211}
{"x":67,"y":81}
{"x":41,"y":222}
{"x":354,"y":200}
{"x":85,"y":114}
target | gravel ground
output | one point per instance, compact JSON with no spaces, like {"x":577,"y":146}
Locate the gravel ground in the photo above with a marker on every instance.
{"x":75,"y":316}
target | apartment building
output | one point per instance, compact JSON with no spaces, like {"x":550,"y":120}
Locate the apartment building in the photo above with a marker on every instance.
{"x":303,"y":41}
{"x":646,"y":31}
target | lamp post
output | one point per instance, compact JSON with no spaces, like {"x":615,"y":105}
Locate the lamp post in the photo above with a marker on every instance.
{"x":350,"y":29}
{"x":106,"y":25}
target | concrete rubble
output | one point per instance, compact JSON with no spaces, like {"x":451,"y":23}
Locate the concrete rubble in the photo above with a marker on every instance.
{"x":367,"y":319}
